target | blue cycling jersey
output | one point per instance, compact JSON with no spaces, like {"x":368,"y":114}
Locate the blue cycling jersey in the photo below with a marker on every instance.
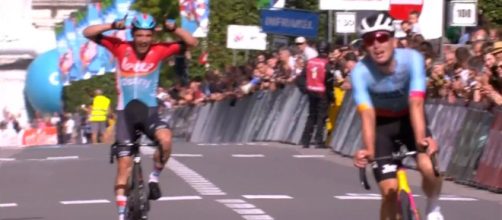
{"x":388,"y":93}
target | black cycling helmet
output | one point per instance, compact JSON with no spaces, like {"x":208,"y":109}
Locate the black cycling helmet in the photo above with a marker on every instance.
{"x":323,"y":47}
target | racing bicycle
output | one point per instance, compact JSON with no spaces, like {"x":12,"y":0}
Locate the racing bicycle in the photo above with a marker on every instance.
{"x":138,"y":203}
{"x":406,"y":203}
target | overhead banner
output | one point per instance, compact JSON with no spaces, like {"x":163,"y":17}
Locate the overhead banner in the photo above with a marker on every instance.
{"x":290,"y":22}
{"x":246,"y":37}
{"x":195,"y":16}
{"x":372,"y":5}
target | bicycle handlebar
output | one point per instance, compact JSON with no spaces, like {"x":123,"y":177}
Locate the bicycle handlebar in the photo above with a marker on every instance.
{"x":395,"y":156}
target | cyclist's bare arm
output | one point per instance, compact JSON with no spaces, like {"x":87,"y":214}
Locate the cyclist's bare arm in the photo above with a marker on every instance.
{"x":93,"y":31}
{"x":183,"y":35}
{"x":417,"y":97}
{"x":368,"y":119}
{"x":417,"y":114}
{"x":367,"y":113}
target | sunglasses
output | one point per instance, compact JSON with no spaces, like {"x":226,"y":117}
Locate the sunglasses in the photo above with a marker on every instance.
{"x":380,"y":36}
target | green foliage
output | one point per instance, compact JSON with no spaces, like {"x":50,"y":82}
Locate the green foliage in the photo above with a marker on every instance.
{"x":80,"y":92}
{"x":239,"y":12}
{"x":492,"y":10}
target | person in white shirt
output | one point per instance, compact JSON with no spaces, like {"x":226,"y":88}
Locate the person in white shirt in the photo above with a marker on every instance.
{"x":307,"y":51}
{"x":413,"y":19}
{"x":69,"y":127}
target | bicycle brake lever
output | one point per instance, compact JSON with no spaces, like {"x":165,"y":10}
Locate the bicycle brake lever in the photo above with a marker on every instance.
{"x":363,"y":179}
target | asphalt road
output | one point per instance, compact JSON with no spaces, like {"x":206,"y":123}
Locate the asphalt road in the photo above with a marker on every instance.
{"x":255,"y":181}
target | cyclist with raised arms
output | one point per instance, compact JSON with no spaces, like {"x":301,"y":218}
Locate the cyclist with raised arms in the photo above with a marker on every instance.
{"x":389,"y":90}
{"x":137,"y":79}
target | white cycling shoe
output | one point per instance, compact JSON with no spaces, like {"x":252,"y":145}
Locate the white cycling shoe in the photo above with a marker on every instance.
{"x":436,"y":215}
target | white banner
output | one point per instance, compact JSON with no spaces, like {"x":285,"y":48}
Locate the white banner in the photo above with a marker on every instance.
{"x":463,"y":13}
{"x":345,"y":22}
{"x":246,"y":37}
{"x":431,"y":19}
{"x":350,"y":5}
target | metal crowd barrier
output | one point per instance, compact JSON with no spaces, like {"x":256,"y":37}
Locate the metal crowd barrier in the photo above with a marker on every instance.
{"x":469,"y":136}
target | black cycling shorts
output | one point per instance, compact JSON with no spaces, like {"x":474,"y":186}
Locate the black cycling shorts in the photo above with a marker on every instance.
{"x":390,"y":134}
{"x":136,"y":118}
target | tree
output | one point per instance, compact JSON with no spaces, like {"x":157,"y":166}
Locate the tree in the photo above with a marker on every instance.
{"x":224,"y":13}
{"x":491,"y":10}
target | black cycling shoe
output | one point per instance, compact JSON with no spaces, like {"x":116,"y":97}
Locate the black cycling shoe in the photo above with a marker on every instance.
{"x":154,"y":193}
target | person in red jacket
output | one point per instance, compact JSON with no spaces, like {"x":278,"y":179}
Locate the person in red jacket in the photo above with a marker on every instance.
{"x":317,"y":82}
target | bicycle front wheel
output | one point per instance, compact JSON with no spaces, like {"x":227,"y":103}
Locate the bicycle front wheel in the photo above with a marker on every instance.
{"x":407,"y":212}
{"x":138,"y":204}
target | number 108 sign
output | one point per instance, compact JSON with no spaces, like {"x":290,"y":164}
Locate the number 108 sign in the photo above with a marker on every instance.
{"x":463,"y":13}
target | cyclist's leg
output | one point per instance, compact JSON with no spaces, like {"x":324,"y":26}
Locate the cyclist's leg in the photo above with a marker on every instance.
{"x":124,"y":138}
{"x":385,"y":170}
{"x":431,"y":185}
{"x":159,"y":131}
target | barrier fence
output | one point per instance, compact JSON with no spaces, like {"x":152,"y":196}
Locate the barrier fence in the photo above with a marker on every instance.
{"x":470,"y":137}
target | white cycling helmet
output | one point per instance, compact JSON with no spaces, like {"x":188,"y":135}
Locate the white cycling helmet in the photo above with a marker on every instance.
{"x":378,"y":22}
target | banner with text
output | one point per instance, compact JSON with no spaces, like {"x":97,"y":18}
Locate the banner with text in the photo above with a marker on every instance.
{"x":290,"y":22}
{"x":246,"y":37}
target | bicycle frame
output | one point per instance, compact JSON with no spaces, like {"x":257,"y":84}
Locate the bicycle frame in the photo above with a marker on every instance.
{"x":404,"y":190}
{"x":403,"y":187}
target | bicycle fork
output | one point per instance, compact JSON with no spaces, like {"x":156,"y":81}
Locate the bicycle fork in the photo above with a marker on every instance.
{"x":403,"y":186}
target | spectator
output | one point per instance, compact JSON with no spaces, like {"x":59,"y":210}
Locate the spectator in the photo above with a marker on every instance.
{"x":69,"y":128}
{"x":406,"y":28}
{"x":413,"y":19}
{"x":286,"y":67}
{"x":495,"y":34}
{"x":497,"y":50}
{"x":317,"y":83}
{"x":307,"y":51}
{"x":98,"y":115}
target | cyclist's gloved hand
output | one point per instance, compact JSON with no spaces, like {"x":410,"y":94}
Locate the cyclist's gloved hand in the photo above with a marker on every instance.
{"x":170,"y":25}
{"x":362,"y":158}
{"x":429,"y":145}
{"x":119,"y":24}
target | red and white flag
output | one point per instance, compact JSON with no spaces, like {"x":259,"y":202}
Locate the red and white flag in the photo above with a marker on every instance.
{"x":400,"y":9}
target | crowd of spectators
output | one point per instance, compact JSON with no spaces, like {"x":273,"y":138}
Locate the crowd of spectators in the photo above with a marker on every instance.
{"x":471,"y":72}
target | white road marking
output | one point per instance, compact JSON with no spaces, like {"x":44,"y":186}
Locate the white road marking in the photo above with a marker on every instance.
{"x":267,"y":197}
{"x":358,"y":197}
{"x":457,"y":199}
{"x":230,"y":201}
{"x":7,"y":159}
{"x":258,"y":217}
{"x":249,"y":211}
{"x":179,"y":198}
{"x":374,"y":196}
{"x":6,"y":205}
{"x":308,"y":156}
{"x":186,"y":155}
{"x":246,"y":210}
{"x":62,"y":158}
{"x":80,"y":202}
{"x":247,"y":155}
{"x":196,"y":181}
{"x":241,"y":206}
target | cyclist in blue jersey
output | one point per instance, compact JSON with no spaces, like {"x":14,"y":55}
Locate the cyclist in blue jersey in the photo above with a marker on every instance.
{"x":138,"y":67}
{"x":389,"y":90}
